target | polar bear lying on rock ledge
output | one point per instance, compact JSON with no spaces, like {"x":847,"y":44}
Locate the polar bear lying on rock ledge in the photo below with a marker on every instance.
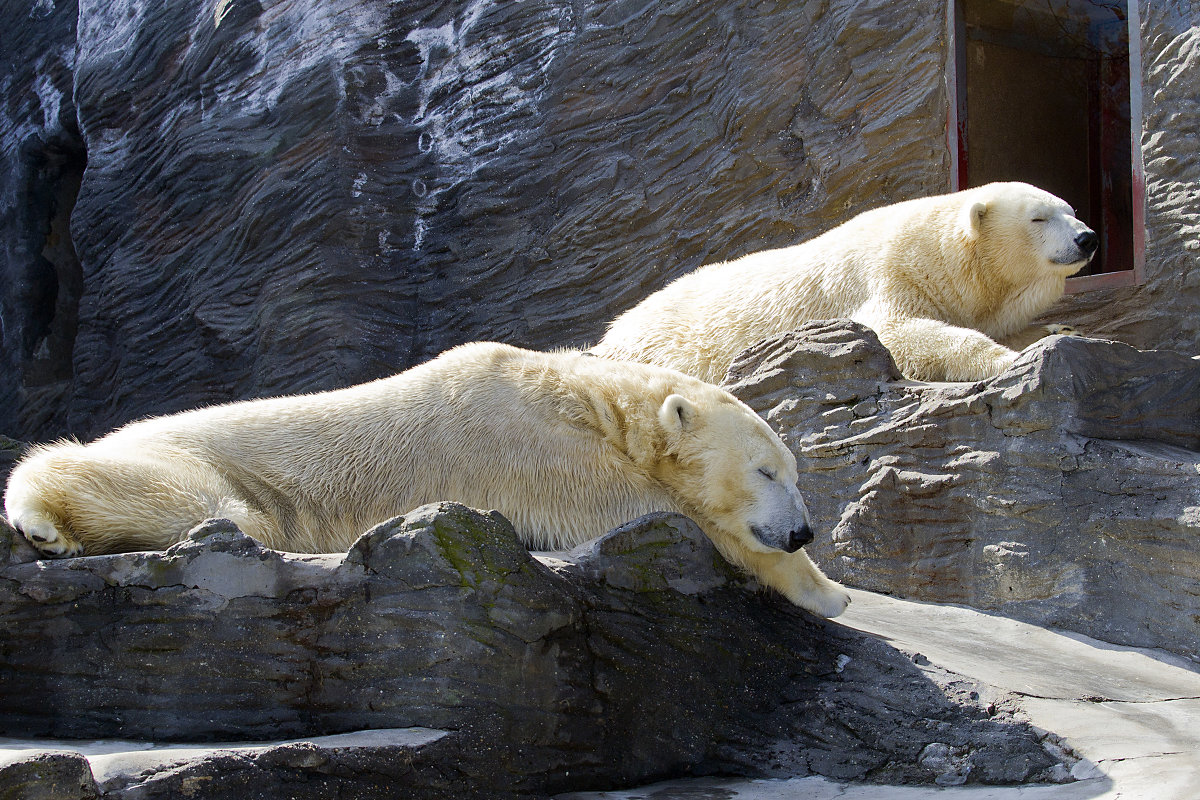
{"x":949,"y":284}
{"x":565,"y":445}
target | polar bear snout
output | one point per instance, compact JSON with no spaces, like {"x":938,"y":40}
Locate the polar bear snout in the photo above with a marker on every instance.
{"x":1082,"y":244}
{"x":1088,"y":242}
{"x":798,"y":538}
{"x":792,"y":541}
{"x":783,"y":522}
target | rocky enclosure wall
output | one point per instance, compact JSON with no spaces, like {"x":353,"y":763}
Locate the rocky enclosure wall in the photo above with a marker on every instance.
{"x":202,"y":200}
{"x":1064,"y":491}
{"x":210,"y":200}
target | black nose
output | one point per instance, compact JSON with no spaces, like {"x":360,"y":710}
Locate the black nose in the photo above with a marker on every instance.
{"x":798,"y":538}
{"x":1088,"y":242}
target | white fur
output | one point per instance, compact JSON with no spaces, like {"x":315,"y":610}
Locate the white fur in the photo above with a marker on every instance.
{"x":944,"y":281}
{"x":565,"y":445}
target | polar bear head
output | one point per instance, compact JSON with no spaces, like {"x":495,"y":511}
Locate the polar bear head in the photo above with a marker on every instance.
{"x":1026,"y":228}
{"x":721,"y":459}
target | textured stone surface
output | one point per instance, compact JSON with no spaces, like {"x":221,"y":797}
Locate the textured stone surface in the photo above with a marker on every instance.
{"x":400,"y":763}
{"x":638,"y":656}
{"x":409,"y":763}
{"x":42,"y":157}
{"x":1065,"y":491}
{"x":47,"y":775}
{"x":1123,"y":720}
{"x":10,"y":452}
{"x":1127,"y":717}
{"x":288,"y":195}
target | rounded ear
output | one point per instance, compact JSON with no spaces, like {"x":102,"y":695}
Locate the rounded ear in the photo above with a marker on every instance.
{"x":677,"y":414}
{"x":972,"y":216}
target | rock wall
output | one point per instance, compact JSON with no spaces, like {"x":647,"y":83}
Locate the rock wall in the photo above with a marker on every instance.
{"x":1065,"y":491}
{"x":232,"y":199}
{"x":640,"y":655}
{"x":284,"y":196}
{"x":42,"y":159}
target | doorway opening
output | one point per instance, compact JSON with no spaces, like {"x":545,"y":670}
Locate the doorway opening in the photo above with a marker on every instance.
{"x":1048,"y":92}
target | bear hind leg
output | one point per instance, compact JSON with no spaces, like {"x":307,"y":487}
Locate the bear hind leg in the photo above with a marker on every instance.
{"x":69,"y":500}
{"x":32,"y":508}
{"x":44,"y":533}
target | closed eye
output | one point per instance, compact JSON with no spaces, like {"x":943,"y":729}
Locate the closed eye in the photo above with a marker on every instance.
{"x":766,"y":473}
{"x":1038,"y":219}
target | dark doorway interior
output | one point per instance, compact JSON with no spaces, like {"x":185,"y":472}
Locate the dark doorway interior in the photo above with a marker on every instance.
{"x":1044,"y":97}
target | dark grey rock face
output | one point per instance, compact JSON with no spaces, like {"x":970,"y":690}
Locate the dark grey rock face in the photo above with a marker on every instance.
{"x":42,"y":159}
{"x":405,"y":763}
{"x":1061,"y":492}
{"x":639,"y":656}
{"x":10,"y":453}
{"x":48,"y":776}
{"x":309,"y":195}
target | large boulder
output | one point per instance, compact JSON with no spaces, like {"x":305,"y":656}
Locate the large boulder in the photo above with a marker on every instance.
{"x":637,"y":656}
{"x":47,"y":775}
{"x":1064,"y":491}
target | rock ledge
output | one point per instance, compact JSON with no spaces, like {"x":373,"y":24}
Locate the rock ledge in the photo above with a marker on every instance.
{"x":639,"y":656}
{"x":1063,"y":492}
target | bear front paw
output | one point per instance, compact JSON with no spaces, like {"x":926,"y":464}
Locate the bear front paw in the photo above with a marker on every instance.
{"x":826,"y":601}
{"x":1054,"y":329}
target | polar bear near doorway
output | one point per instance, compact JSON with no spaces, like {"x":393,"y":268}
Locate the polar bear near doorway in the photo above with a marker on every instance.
{"x":949,"y":283}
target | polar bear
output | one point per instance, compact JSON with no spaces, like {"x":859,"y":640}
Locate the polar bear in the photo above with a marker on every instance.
{"x":949,"y":283}
{"x":566,"y":445}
